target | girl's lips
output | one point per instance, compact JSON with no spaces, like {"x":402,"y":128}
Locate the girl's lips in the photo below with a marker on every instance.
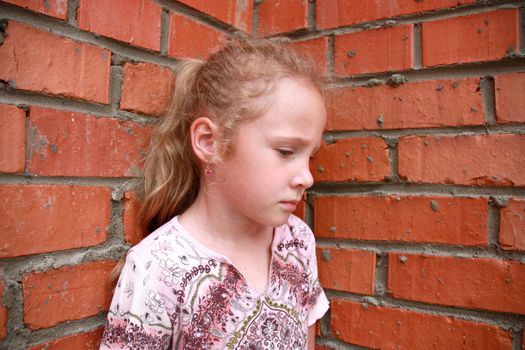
{"x":289,"y":205}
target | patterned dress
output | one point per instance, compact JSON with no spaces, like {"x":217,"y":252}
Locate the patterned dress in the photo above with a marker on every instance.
{"x":174,"y":293}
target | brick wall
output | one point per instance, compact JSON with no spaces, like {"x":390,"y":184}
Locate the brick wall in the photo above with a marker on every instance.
{"x":419,"y":205}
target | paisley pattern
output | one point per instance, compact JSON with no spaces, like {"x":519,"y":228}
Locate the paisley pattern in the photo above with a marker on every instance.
{"x":271,"y":328}
{"x":174,"y":293}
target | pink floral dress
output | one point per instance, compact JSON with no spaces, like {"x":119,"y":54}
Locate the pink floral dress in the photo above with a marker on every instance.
{"x":174,"y":293}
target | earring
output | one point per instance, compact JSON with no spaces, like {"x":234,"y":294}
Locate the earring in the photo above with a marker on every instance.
{"x":208,"y":170}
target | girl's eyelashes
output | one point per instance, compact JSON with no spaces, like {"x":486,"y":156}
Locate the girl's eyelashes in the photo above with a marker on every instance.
{"x":285,"y":152}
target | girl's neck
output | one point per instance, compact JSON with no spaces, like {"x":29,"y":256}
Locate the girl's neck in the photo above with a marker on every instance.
{"x":206,"y":219}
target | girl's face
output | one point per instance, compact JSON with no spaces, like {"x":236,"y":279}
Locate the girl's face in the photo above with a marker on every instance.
{"x":265,"y":176}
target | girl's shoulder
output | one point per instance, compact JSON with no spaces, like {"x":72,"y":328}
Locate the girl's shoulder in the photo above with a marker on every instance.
{"x":295,"y":233}
{"x":297,"y":227}
{"x":296,"y":221}
{"x":165,"y":240}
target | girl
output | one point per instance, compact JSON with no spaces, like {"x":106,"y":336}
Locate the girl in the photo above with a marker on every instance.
{"x":227,"y":266}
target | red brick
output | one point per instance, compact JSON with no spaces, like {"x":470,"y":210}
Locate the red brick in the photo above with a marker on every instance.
{"x":330,"y":13}
{"x":66,"y":294}
{"x":356,"y":159}
{"x":389,"y":328}
{"x":512,"y":225}
{"x":55,"y":8}
{"x":482,"y":160}
{"x":480,"y":37}
{"x":40,"y":61}
{"x":81,"y":341}
{"x":3,"y":312}
{"x":346,"y":269}
{"x":191,"y":39}
{"x":238,"y":13}
{"x":133,"y":21}
{"x":428,"y":219}
{"x":132,"y":231}
{"x":146,"y":88}
{"x":277,"y":16}
{"x":481,"y":283}
{"x":316,"y":50}
{"x":411,"y":105}
{"x":510,"y":98}
{"x":377,"y":50}
{"x":46,"y":218}
{"x":64,"y":143}
{"x":12,"y":139}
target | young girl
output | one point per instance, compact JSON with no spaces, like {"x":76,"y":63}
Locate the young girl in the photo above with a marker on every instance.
{"x":227,"y":266}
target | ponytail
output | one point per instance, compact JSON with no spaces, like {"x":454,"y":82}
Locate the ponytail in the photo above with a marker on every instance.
{"x":171,"y":170}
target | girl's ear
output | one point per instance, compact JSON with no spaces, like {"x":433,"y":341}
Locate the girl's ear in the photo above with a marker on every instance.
{"x":204,"y":135}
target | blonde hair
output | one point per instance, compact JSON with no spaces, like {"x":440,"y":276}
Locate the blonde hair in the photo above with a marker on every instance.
{"x":227,"y":88}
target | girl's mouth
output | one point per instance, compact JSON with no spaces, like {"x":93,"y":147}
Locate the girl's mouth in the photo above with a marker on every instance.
{"x":289,"y":205}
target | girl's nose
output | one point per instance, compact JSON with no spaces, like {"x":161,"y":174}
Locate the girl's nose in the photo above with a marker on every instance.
{"x":304,"y":178}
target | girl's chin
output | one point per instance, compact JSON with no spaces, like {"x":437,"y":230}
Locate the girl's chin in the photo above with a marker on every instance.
{"x":279,"y":221}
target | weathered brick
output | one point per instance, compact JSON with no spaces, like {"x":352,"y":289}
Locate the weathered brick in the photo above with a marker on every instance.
{"x":512,"y":225}
{"x":238,"y":13}
{"x":12,"y":139}
{"x":132,"y":231}
{"x":482,"y":160}
{"x":191,"y":39}
{"x":81,"y":341}
{"x":411,"y":105}
{"x":479,"y":37}
{"x":421,"y":219}
{"x":146,"y":88}
{"x":346,"y":270}
{"x":45,"y":218}
{"x":40,"y":61}
{"x":133,"y":21}
{"x":66,"y":294}
{"x":64,"y":143}
{"x":393,"y":328}
{"x":55,"y":8}
{"x":282,"y":16}
{"x":315,"y":49}
{"x":510,"y":98}
{"x":480,"y":283}
{"x":330,"y":13}
{"x":356,"y":159}
{"x":357,"y":53}
{"x":3,"y":312}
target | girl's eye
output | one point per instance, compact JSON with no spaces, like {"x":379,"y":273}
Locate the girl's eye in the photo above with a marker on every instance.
{"x":285,"y":152}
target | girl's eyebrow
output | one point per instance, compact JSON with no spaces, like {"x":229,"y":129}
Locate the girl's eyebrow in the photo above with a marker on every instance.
{"x":291,"y":139}
{"x":297,"y":140}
